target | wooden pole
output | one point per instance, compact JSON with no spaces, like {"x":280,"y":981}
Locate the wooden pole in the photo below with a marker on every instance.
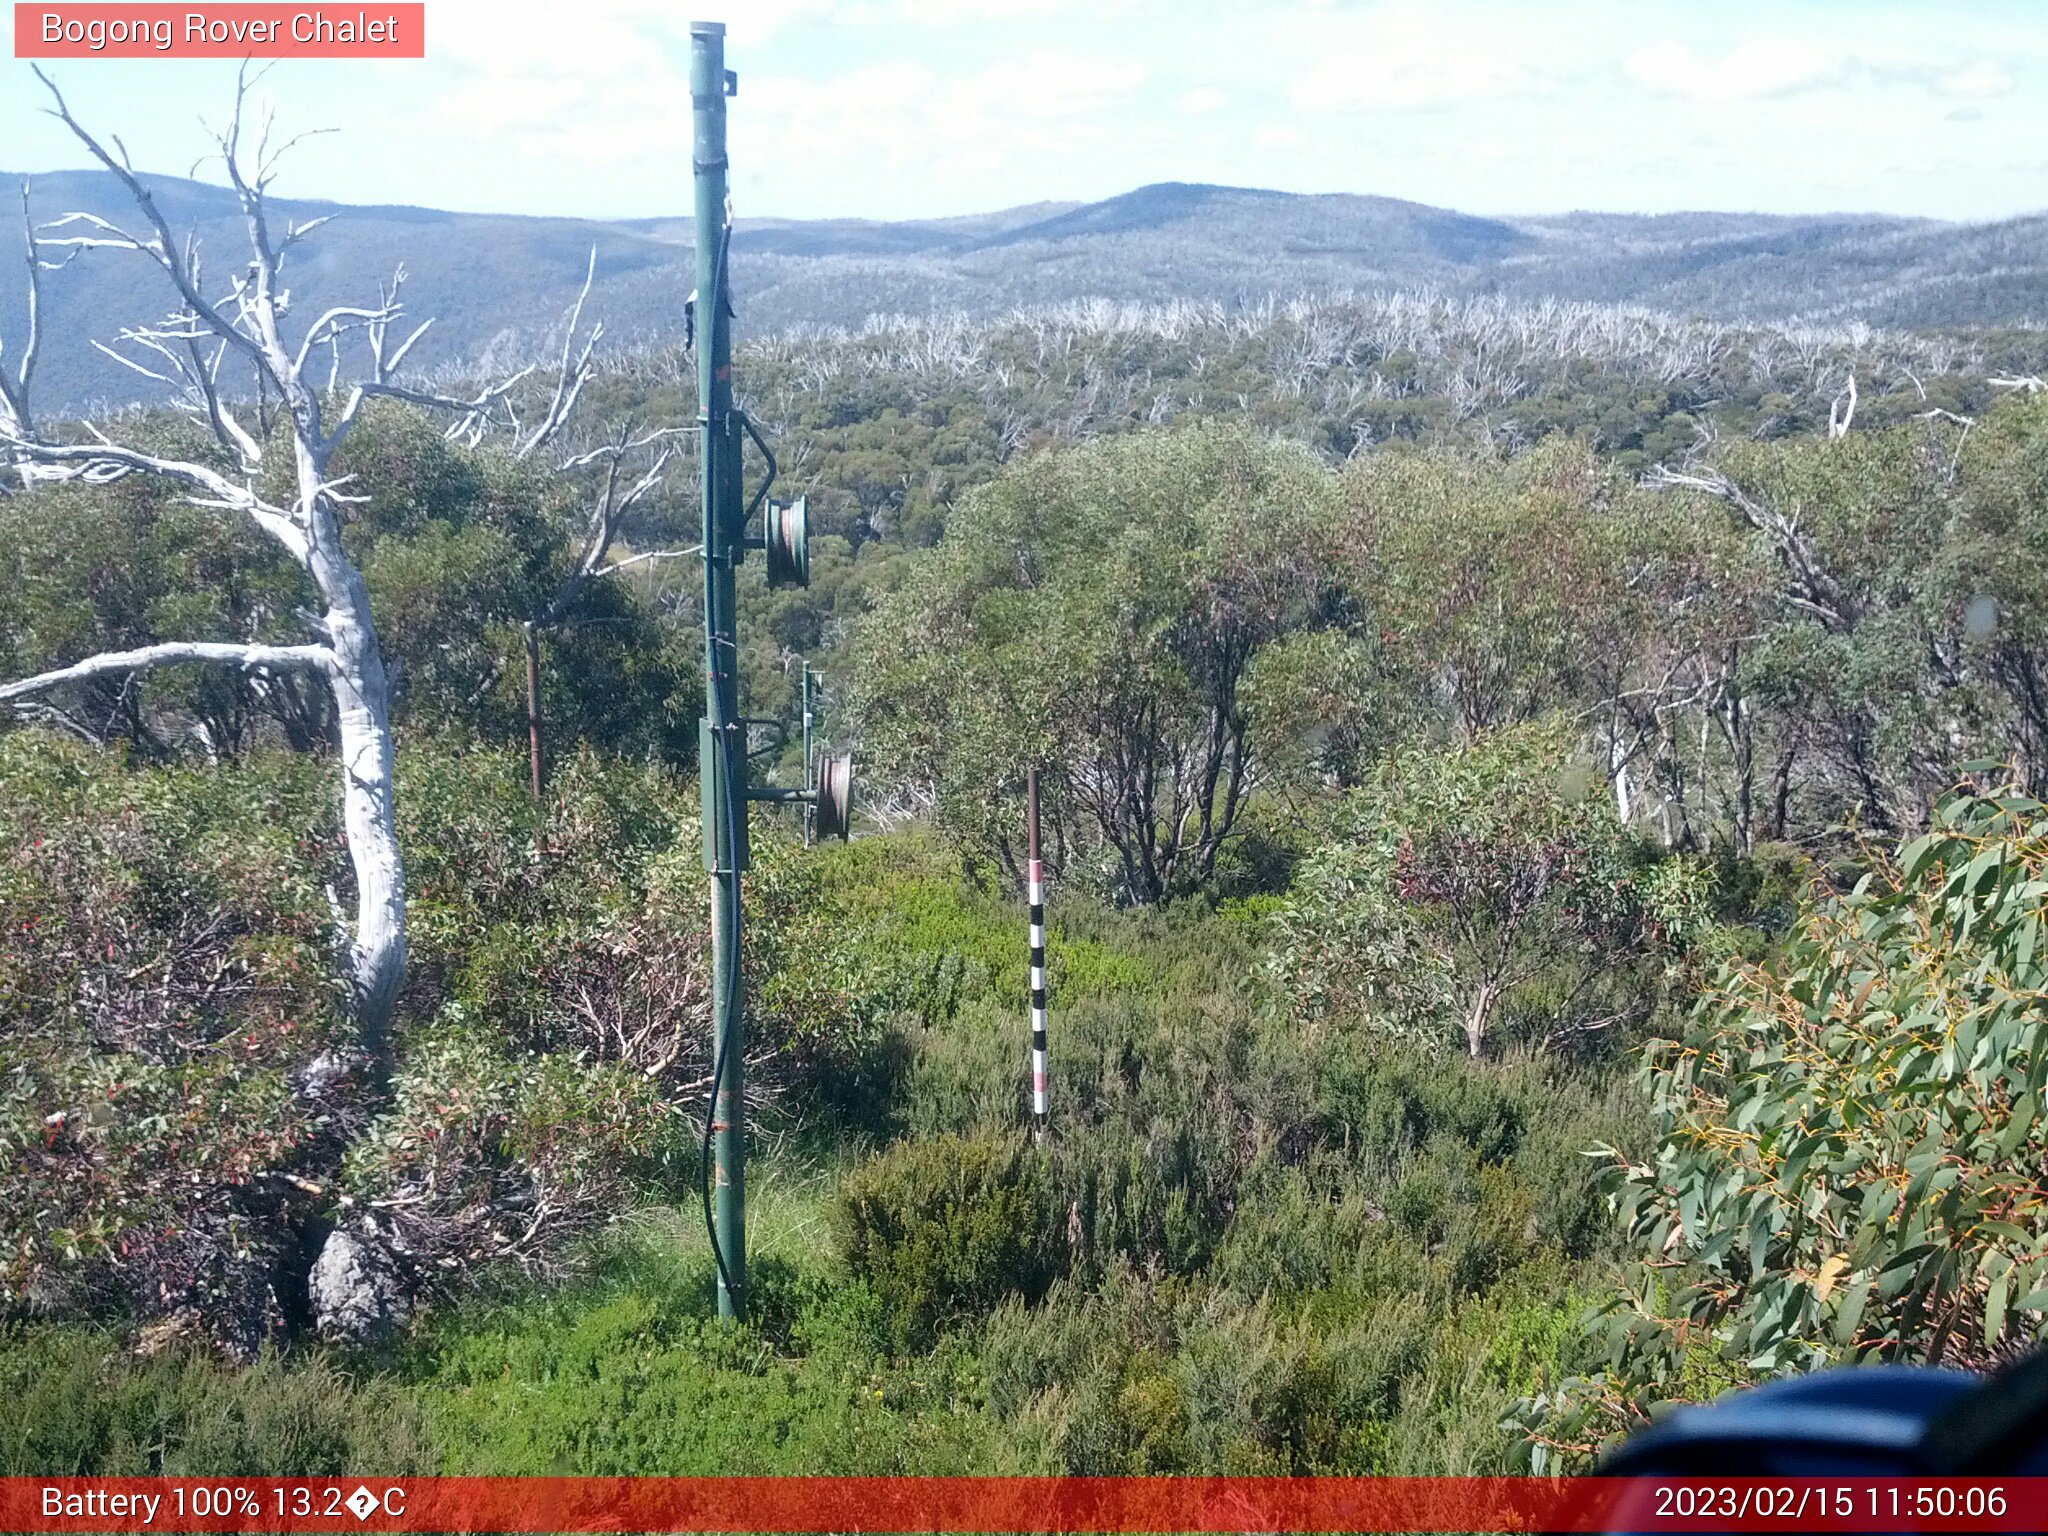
{"x":533,"y":704}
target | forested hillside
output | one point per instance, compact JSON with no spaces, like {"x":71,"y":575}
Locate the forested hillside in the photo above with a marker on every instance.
{"x":495,"y":281}
{"x":1528,"y":784}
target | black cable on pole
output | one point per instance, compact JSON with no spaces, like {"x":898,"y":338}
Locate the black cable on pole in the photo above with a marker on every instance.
{"x":727,"y":1010}
{"x":727,"y":1006}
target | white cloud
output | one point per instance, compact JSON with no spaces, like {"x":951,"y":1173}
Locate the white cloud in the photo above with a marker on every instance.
{"x":1350,"y":80}
{"x":614,"y":87}
{"x":1786,"y":66}
{"x":904,"y":107}
{"x":970,"y":12}
{"x":518,"y":36}
{"x":1766,"y":67}
{"x":753,"y":25}
{"x":912,"y":134}
{"x":1978,"y":81}
{"x":1410,"y":56}
{"x":1281,"y":138}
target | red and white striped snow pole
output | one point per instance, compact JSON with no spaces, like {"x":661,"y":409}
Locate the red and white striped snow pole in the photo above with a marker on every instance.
{"x":1037,"y":899}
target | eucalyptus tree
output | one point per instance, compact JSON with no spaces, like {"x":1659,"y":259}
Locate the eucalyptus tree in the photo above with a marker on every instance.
{"x":1483,"y":886}
{"x":1848,"y":1142}
{"x":1096,"y":611}
{"x":1504,"y":591}
{"x":1903,"y":608}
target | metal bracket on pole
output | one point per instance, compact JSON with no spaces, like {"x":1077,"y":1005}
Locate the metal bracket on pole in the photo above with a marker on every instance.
{"x":767,"y":480}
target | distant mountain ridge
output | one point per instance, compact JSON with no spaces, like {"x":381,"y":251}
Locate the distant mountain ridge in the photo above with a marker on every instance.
{"x":496,"y":283}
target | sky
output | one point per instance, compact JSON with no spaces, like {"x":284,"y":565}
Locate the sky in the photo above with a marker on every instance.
{"x":920,"y":108}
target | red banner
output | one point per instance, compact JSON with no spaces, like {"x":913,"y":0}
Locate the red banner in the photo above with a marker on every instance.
{"x":989,"y":1504}
{"x":216,"y":31}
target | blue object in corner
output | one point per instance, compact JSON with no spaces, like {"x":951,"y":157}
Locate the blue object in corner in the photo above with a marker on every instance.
{"x":1871,"y":1419}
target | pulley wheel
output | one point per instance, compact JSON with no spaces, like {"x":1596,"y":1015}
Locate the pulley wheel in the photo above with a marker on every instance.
{"x":835,"y":797}
{"x":787,"y":533}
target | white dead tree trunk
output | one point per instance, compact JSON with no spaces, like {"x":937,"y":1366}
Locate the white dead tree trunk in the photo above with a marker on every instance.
{"x":243,"y":332}
{"x":1842,"y":409}
{"x":16,"y":378}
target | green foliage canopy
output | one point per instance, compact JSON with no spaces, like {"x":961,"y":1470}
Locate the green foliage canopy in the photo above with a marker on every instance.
{"x":1484,"y":882}
{"x":1095,"y":612}
{"x":170,"y":1030}
{"x":459,"y":547}
{"x":1850,"y":1137}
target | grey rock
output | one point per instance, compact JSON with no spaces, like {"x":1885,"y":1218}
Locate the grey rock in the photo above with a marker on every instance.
{"x":357,"y":1293}
{"x":321,"y":1076}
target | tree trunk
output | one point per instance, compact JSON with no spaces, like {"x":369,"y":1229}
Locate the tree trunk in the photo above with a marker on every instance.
{"x":1617,"y":771}
{"x":1742,"y":747}
{"x":354,"y":1290}
{"x":1477,"y":1020}
{"x":377,"y":955}
{"x":362,"y":699}
{"x":1781,"y":795}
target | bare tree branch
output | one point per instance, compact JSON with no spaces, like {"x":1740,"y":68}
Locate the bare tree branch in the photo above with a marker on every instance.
{"x":1816,"y":591}
{"x":569,"y":378}
{"x":653,"y":554}
{"x":14,"y":392}
{"x":269,"y":658}
{"x":97,"y":463}
{"x":1967,"y":423}
{"x":472,"y":416}
{"x":611,"y":505}
{"x":164,"y":248}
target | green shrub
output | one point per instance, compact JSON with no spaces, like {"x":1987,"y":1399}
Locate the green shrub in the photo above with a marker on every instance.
{"x":1851,"y":1139}
{"x":634,"y":1376}
{"x":1096,"y":611}
{"x":164,"y":968}
{"x":946,"y":1228}
{"x":76,"y":1404}
{"x":171,"y":1144}
{"x":1484,"y":891}
{"x":1143,"y":1375}
{"x":936,"y":942}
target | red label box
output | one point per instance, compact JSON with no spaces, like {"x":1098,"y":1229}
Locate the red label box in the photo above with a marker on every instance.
{"x":1107,"y":1506}
{"x":376,"y":30}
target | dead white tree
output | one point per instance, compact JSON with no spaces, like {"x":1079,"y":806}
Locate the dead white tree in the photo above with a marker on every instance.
{"x":15,"y":381}
{"x":208,"y":344}
{"x":1842,"y":409}
{"x":224,"y":351}
{"x":1811,"y":588}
